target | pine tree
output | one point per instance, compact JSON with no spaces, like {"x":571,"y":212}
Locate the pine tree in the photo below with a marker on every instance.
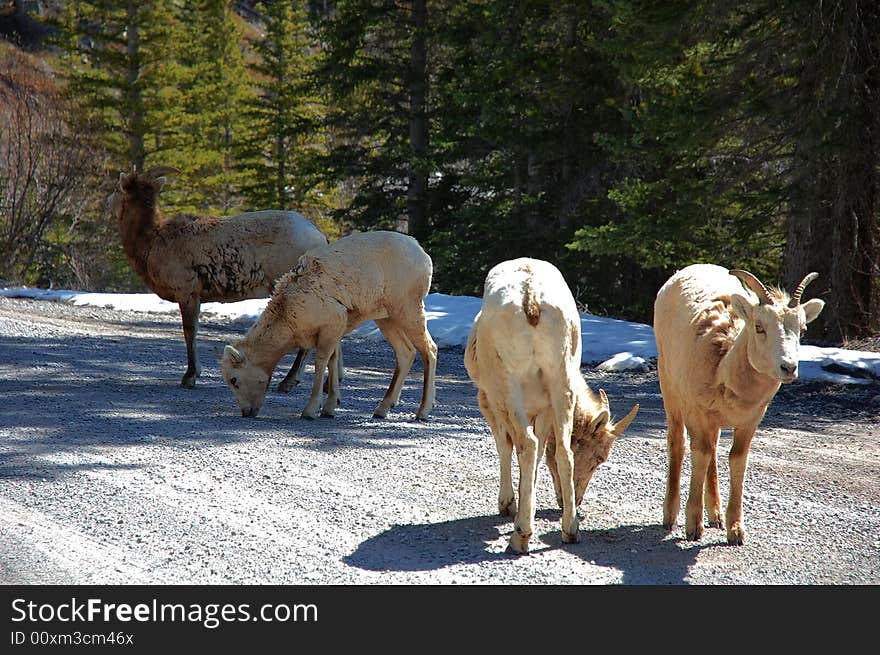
{"x":214,"y":92}
{"x":116,"y":63}
{"x":363,"y":77}
{"x":283,"y":115}
{"x":834,"y":220}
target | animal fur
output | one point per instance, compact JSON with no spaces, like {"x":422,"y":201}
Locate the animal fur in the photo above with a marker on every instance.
{"x":723,"y":351}
{"x":190,"y":259}
{"x":524,"y":355}
{"x":379,"y":276}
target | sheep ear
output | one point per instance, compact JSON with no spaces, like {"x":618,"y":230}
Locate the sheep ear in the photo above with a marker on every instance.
{"x":124,"y":181}
{"x":218,"y":352}
{"x":234,"y":355}
{"x":812,"y":308}
{"x":599,"y":421}
{"x":159,"y":182}
{"x":741,"y":305}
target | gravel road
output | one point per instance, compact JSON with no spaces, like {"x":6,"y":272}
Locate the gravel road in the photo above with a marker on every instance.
{"x":111,"y":473}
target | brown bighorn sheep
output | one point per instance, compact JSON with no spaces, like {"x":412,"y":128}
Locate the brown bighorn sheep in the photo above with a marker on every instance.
{"x":723,"y":352}
{"x":524,"y":355}
{"x":383,"y":276}
{"x":193,"y":259}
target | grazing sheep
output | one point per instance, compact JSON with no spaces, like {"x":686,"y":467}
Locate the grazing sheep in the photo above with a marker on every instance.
{"x":524,"y":355}
{"x":383,"y":276}
{"x":723,"y":352}
{"x":193,"y":259}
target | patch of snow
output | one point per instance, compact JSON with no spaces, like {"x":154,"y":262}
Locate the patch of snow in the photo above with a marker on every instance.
{"x":613,"y":344}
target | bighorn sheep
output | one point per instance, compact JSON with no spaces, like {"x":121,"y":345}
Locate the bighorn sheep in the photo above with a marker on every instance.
{"x":723,"y":352}
{"x":524,"y":355}
{"x":193,"y":259}
{"x":383,"y":276}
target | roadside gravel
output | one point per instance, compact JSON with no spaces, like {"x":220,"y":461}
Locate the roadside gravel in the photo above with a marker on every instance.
{"x":111,"y":473}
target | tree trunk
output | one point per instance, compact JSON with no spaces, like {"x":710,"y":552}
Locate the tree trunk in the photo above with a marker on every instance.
{"x":417,"y":184}
{"x":133,"y":100}
{"x":834,"y":227}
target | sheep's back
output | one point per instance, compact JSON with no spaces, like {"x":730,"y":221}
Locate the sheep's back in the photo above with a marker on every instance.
{"x":234,"y":257}
{"x":366,"y":270}
{"x":694,"y":326}
{"x":528,"y":329}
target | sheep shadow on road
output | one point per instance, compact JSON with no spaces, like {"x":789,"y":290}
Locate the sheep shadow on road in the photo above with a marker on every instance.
{"x":429,"y":546}
{"x":645,"y":554}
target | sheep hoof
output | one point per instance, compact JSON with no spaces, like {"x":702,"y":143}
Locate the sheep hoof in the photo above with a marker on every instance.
{"x":285,"y":387}
{"x":694,"y":534}
{"x":669,"y":526}
{"x":571,"y":537}
{"x":308,"y":417}
{"x":326,"y":414}
{"x":507,"y":507}
{"x":380,"y":414}
{"x":519,"y":543}
{"x":188,"y":382}
{"x":715,"y":524}
{"x":736,"y":536}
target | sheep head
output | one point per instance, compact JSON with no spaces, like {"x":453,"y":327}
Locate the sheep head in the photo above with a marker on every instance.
{"x":593,"y":435}
{"x":248,"y":381}
{"x":142,"y":188}
{"x":774,"y":325}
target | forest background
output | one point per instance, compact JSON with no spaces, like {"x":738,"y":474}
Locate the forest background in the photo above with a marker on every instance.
{"x":619,"y":139}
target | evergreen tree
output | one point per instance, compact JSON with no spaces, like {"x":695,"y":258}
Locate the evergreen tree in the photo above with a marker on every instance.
{"x":834,"y":219}
{"x":116,"y":62}
{"x":697,"y":175}
{"x":363,"y":73}
{"x":283,"y":115}
{"x":520,"y":92}
{"x":214,"y":93}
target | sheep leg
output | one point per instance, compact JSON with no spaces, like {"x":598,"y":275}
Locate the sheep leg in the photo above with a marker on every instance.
{"x":340,"y":367}
{"x":701,"y":452}
{"x":329,"y":408}
{"x":523,"y":523}
{"x":526,"y":452}
{"x":544,"y":431}
{"x":739,"y":454}
{"x":416,"y":328}
{"x":675,"y":450}
{"x":554,"y":474}
{"x":323,"y":352}
{"x":294,"y":375}
{"x":563,"y":416}
{"x":189,"y":313}
{"x":711,"y":494}
{"x":404,"y":355}
{"x":504,"y":446}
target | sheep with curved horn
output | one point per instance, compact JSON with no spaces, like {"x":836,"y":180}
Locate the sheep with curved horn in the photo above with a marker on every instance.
{"x":724,"y":349}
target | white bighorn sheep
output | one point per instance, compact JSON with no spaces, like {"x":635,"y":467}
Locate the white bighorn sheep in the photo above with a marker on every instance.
{"x":193,"y":259}
{"x":524,"y":355}
{"x":383,"y":276}
{"x":723,"y":352}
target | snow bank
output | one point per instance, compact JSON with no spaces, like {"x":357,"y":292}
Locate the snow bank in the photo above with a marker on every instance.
{"x":611,"y":344}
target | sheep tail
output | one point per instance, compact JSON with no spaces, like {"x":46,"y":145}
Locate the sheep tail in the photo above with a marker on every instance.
{"x":530,"y":306}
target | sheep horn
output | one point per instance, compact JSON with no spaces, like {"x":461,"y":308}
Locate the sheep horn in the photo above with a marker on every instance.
{"x":158,"y":171}
{"x":623,"y":424}
{"x":755,"y":285}
{"x":796,"y":296}
{"x":604,"y":399}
